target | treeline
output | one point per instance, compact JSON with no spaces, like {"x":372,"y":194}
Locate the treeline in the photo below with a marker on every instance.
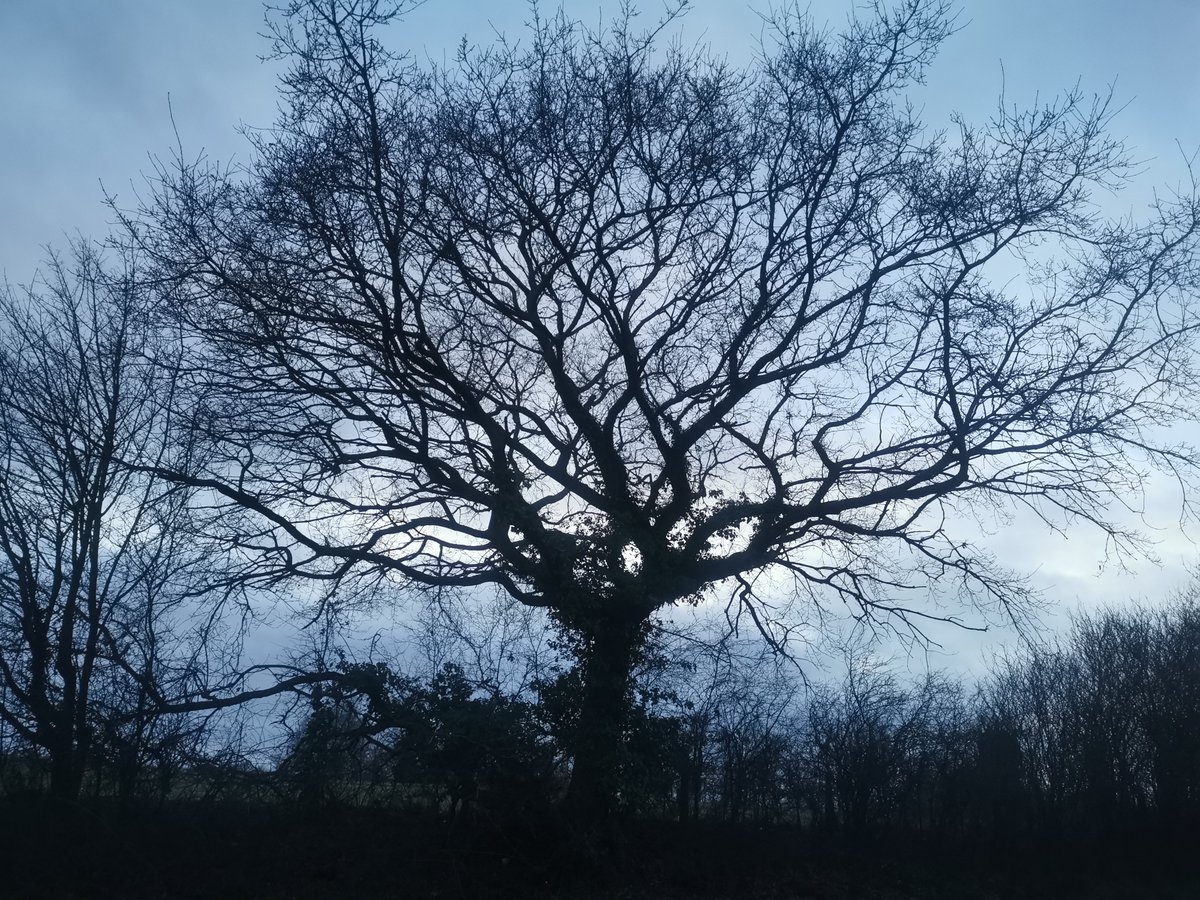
{"x":1096,"y":735}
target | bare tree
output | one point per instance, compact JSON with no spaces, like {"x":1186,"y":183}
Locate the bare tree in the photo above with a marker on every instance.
{"x":614,"y":325}
{"x":94,"y":566}
{"x":1090,"y":729}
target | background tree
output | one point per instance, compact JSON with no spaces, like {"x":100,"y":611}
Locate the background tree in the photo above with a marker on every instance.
{"x":1085,"y":734}
{"x":95,"y":565}
{"x":880,"y":750}
{"x":1171,"y":716}
{"x":613,"y":325}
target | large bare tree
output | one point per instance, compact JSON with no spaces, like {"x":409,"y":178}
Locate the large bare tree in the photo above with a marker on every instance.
{"x":611,"y":324}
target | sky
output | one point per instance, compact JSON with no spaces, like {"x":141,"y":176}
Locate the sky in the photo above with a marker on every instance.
{"x":92,"y":90}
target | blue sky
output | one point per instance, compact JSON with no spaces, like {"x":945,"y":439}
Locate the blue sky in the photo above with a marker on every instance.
{"x":84,"y":84}
{"x":84,"y":88}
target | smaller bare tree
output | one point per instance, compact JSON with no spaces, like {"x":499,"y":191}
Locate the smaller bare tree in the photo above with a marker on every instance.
{"x":96,"y":560}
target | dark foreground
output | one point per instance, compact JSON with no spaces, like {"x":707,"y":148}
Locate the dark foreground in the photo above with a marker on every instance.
{"x":83,"y":851}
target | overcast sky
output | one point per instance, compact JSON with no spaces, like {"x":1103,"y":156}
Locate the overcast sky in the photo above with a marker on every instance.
{"x":84,"y":88}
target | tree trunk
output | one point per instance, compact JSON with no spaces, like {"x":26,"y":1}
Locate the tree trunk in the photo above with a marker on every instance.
{"x":66,"y":770}
{"x":607,"y":669}
{"x":683,"y":795}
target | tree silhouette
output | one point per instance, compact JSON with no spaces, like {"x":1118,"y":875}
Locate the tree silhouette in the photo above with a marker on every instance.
{"x":611,"y":325}
{"x":94,"y":557}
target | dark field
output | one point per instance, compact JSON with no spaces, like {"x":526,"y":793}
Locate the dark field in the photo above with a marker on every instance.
{"x":229,"y":851}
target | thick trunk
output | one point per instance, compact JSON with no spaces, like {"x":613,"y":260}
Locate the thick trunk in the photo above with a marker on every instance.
{"x":66,"y":771}
{"x":607,"y":669}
